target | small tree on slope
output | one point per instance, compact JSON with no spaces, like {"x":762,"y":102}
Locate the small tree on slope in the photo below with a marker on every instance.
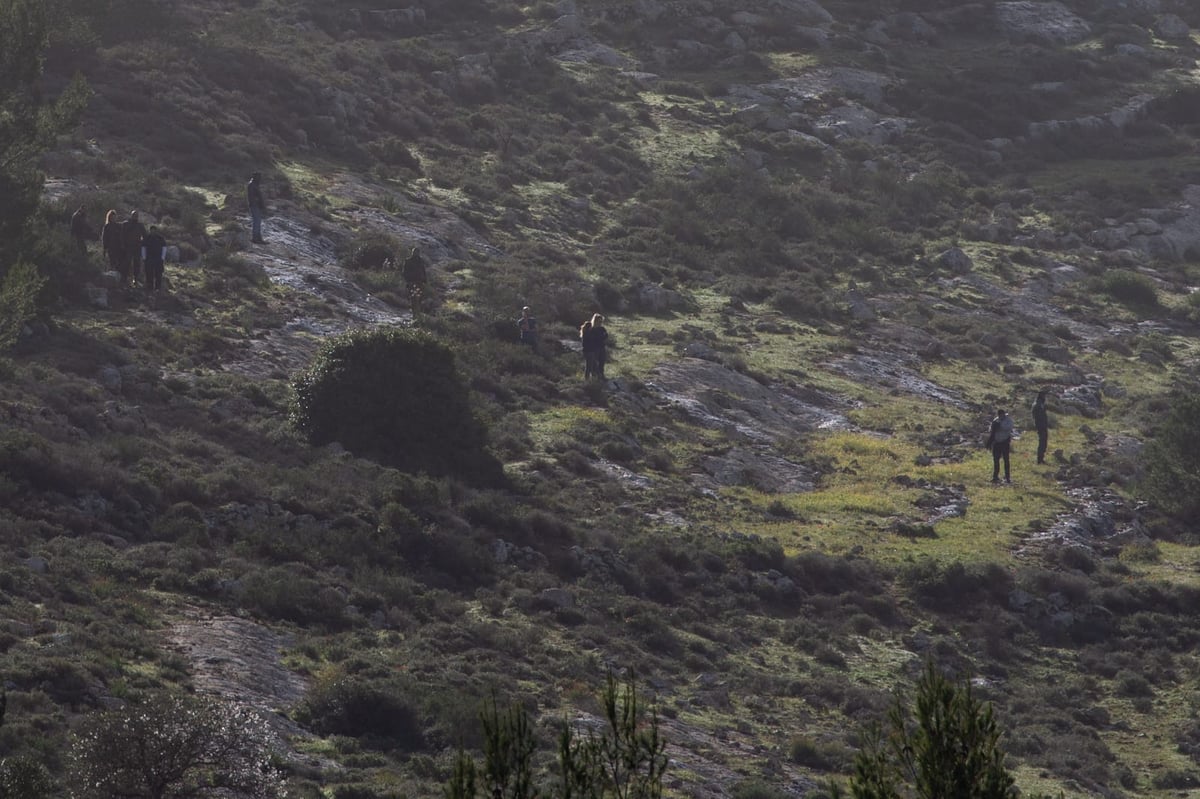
{"x":946,"y":747}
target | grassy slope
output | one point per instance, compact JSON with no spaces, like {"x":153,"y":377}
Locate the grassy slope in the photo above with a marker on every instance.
{"x":1093,"y":681}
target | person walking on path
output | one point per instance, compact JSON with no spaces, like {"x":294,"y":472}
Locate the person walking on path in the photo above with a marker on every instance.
{"x":110,"y":242}
{"x":416,"y":279}
{"x":258,"y":207}
{"x":1000,"y":440}
{"x":594,"y":338}
{"x":527,"y":327}
{"x":154,"y":256}
{"x":132,"y":232}
{"x":81,"y":231}
{"x":1041,"y":423}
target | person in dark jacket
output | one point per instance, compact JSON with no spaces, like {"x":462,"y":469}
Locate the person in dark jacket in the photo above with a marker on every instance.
{"x":1041,"y":423}
{"x":258,"y":207}
{"x":81,"y":231}
{"x":594,"y":339}
{"x":1000,"y":440}
{"x":154,"y":256}
{"x":110,"y":241}
{"x":527,"y":328}
{"x":416,"y":279}
{"x":132,"y":232}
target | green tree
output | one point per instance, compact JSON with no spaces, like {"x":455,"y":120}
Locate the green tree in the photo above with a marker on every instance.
{"x":167,"y":746}
{"x":393,"y":395}
{"x":946,"y":745}
{"x":18,"y":301}
{"x":623,"y":759}
{"x":1171,"y":460}
{"x":628,"y":756}
{"x":29,"y":121}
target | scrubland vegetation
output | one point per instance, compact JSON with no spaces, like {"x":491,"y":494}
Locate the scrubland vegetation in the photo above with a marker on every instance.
{"x":775,"y":513}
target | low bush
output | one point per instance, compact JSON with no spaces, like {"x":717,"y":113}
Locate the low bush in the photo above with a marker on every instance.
{"x":757,"y":789}
{"x":357,"y":707}
{"x":372,"y":252}
{"x":1130,"y":288}
{"x":280,"y":593}
{"x":395,"y":396}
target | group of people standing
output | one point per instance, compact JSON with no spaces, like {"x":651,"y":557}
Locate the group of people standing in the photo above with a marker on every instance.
{"x":593,"y":337}
{"x":1000,"y":435}
{"x":134,"y":252}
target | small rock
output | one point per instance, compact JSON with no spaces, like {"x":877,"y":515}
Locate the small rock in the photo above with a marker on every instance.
{"x":559,"y":598}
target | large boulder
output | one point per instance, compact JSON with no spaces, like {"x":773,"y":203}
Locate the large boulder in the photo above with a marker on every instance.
{"x":802,"y":12}
{"x":395,"y":20}
{"x":1172,"y":28}
{"x":1050,"y":23}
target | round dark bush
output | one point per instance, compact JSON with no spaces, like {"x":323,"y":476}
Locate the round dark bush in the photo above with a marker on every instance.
{"x":360,"y":708}
{"x":1130,"y":288}
{"x":393,"y":395}
{"x":1171,"y":460}
{"x":374,"y":251}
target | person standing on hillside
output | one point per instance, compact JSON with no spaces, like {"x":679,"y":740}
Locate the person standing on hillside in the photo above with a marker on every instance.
{"x":154,"y":256}
{"x":416,"y":279}
{"x":1041,"y":423}
{"x":132,"y":232}
{"x":1000,"y":440}
{"x":594,"y":338}
{"x":81,"y":231}
{"x":527,"y":328}
{"x":258,"y":207}
{"x":110,"y":242}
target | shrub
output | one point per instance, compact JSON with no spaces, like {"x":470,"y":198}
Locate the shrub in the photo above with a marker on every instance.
{"x":806,"y":751}
{"x":359,"y":708}
{"x":373,"y":251}
{"x":623,"y":759}
{"x":280,"y":593}
{"x":393,"y":395}
{"x":1171,"y":461}
{"x":946,"y":744}
{"x":1130,"y":288}
{"x":22,"y":777}
{"x":757,"y":789}
{"x":18,"y":301}
{"x":167,"y":745}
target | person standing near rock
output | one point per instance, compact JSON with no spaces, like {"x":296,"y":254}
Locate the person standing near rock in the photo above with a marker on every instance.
{"x":132,"y":232}
{"x":81,"y":231}
{"x":594,"y":338}
{"x":1000,"y":441}
{"x":154,"y":256}
{"x":416,"y":279}
{"x":110,"y":241}
{"x":258,"y":207}
{"x":1041,"y":423}
{"x":527,"y":328}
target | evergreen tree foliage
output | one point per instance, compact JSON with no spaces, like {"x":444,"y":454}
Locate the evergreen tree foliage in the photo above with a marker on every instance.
{"x":1171,"y":460}
{"x":28,"y":120}
{"x":18,"y":301}
{"x":393,"y":395}
{"x":946,"y":745}
{"x":508,"y":749}
{"x":624,"y":759}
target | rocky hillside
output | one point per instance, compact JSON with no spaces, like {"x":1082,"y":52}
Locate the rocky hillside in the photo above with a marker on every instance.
{"x":830,"y":239}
